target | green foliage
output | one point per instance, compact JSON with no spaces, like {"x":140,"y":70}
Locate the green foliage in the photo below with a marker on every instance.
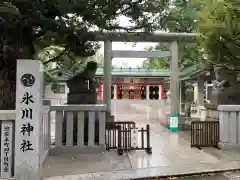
{"x":59,"y":30}
{"x":100,"y":60}
{"x":156,"y":63}
{"x":181,"y":16}
{"x":67,"y":23}
{"x":51,"y":79}
{"x":220,"y":31}
{"x":66,"y":62}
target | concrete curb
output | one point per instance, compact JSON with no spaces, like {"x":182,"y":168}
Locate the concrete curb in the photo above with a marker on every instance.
{"x":175,"y":170}
{"x":186,"y":175}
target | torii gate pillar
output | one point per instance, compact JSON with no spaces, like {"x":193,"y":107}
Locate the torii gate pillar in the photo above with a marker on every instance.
{"x":107,"y":75}
{"x":174,"y":79}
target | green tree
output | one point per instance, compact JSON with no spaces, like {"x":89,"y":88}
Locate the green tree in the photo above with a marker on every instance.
{"x":100,"y":60}
{"x":65,"y":61}
{"x":27,"y":26}
{"x":156,"y":63}
{"x":220,"y":30}
{"x":181,"y":16}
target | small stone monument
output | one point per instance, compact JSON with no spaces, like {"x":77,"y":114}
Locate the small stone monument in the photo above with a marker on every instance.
{"x":83,"y":87}
{"x":225,"y":91}
{"x":225,"y":87}
{"x":168,"y":95}
{"x":82,"y":90}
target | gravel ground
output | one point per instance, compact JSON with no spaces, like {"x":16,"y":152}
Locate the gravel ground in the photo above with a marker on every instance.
{"x":233,"y":175}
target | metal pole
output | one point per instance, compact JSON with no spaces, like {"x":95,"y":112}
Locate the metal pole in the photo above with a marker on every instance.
{"x":107,"y":76}
{"x":174,"y":79}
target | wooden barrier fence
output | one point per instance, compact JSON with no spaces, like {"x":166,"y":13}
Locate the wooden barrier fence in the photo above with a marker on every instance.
{"x":204,"y":134}
{"x":119,"y":136}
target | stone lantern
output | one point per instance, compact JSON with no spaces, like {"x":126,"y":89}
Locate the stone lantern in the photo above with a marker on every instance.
{"x":168,"y":95}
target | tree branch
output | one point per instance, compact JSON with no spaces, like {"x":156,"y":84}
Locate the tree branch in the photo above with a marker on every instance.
{"x":228,"y":51}
{"x":56,"y":57}
{"x":116,"y":27}
{"x":129,"y":7}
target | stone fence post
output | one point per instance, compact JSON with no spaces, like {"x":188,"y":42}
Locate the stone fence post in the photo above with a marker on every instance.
{"x":229,"y":126}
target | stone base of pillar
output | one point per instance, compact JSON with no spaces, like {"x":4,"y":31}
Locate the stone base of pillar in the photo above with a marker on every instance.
{"x":211,"y":115}
{"x":211,"y":112}
{"x":202,"y":113}
{"x":81,"y":98}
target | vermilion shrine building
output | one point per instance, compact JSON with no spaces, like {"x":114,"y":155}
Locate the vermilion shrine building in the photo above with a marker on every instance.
{"x":135,"y":83}
{"x":127,"y":83}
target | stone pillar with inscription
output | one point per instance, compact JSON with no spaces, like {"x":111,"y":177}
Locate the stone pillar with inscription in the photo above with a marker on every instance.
{"x":28,"y":114}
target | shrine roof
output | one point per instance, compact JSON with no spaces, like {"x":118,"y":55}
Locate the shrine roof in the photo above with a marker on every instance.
{"x":141,"y":72}
{"x":187,"y":73}
{"x":193,"y":71}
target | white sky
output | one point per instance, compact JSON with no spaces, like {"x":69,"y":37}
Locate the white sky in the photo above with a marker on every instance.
{"x":133,"y":62}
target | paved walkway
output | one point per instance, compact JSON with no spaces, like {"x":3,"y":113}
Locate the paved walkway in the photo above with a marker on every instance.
{"x":171,"y":155}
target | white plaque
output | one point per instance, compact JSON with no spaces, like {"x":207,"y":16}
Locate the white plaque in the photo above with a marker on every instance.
{"x":6,"y":150}
{"x":134,"y":138}
{"x":174,"y":122}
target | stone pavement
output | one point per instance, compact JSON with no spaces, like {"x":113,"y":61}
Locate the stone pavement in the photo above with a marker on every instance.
{"x":171,"y":155}
{"x":155,"y":172}
{"x":232,"y":175}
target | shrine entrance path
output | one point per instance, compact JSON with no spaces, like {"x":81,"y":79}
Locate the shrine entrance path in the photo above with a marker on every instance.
{"x":171,"y":152}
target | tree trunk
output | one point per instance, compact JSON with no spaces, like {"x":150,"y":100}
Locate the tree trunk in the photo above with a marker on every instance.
{"x":7,"y":90}
{"x":10,"y":50}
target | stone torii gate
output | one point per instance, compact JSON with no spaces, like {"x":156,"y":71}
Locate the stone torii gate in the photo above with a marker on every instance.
{"x":173,"y":38}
